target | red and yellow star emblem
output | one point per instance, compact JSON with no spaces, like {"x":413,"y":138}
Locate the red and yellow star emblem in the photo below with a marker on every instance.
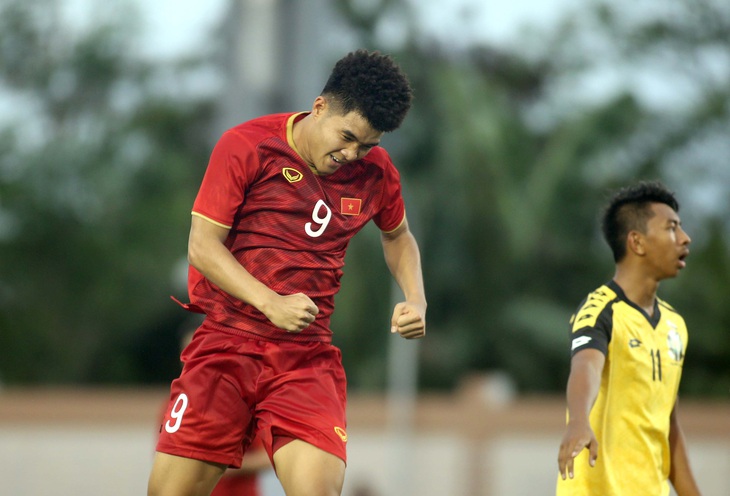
{"x":350,"y":206}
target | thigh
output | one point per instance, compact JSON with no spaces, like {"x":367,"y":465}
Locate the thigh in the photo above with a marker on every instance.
{"x":304,"y":470}
{"x":176,"y":476}
{"x":303,"y":395}
{"x":209,"y":416}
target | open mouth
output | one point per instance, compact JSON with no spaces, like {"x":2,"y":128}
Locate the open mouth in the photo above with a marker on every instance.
{"x":334,"y":159}
{"x":683,"y":259}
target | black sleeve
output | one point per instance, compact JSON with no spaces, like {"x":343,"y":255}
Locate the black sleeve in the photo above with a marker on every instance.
{"x":596,"y":335}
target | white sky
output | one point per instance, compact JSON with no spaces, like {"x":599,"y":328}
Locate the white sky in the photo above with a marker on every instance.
{"x":177,"y":26}
{"x":496,"y":21}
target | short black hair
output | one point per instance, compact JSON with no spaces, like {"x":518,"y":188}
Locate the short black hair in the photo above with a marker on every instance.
{"x":371,"y":84}
{"x":629,"y":209}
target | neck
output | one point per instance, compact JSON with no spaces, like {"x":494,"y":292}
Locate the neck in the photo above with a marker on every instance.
{"x":299,"y":133}
{"x":639,"y":288}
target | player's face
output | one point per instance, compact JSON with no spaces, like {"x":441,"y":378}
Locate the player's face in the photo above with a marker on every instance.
{"x":339,"y":139}
{"x":667,"y":245}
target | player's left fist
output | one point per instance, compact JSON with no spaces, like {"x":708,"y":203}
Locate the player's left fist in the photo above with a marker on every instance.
{"x":409,"y":320}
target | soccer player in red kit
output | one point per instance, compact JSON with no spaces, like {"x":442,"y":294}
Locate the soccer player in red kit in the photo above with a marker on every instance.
{"x":281,"y":198}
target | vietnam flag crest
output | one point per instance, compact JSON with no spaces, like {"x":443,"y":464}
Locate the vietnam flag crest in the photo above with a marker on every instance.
{"x":350,"y":206}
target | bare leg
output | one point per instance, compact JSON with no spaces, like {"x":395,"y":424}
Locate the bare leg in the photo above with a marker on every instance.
{"x":305,"y":470}
{"x":176,"y":476}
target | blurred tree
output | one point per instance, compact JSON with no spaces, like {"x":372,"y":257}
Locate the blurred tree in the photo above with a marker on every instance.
{"x":502,"y":225}
{"x":508,"y":155}
{"x":96,"y":180}
{"x":675,"y":63}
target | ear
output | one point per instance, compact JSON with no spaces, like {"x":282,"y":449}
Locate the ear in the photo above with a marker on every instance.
{"x":635,"y":243}
{"x":319,"y":106}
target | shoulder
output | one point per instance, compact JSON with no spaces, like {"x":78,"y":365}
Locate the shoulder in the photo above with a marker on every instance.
{"x":377,"y":154}
{"x":666,"y":306}
{"x":258,"y":129}
{"x":242,"y":144}
{"x":379,"y":160}
{"x":593,"y":307}
{"x":379,"y":157}
{"x":668,"y":312}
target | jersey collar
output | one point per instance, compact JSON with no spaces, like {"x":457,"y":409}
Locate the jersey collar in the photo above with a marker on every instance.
{"x":654,"y":320}
{"x":290,"y":136}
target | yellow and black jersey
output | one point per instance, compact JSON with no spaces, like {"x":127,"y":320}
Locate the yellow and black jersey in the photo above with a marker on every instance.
{"x":644,"y":357}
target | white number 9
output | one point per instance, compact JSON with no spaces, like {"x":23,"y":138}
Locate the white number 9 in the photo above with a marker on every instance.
{"x":178,"y":409}
{"x":322,"y":221}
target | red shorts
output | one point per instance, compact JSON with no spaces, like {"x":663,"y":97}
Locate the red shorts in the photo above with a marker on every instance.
{"x":232,"y":388}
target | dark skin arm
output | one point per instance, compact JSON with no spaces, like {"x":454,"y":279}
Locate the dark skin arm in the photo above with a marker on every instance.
{"x":680,"y":473}
{"x":584,"y":382}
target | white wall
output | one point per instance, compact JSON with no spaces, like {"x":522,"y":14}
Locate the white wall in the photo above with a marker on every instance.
{"x":89,"y":460}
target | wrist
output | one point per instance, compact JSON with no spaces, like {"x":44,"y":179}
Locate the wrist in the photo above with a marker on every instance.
{"x":579,"y":421}
{"x":264,"y":300}
{"x":418,"y":302}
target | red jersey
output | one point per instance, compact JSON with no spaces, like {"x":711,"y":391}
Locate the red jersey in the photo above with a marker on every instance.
{"x":289,"y":227}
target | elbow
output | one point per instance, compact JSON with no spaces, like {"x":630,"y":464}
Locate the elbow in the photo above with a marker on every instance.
{"x":204,"y":244}
{"x":192,"y":257}
{"x":196,"y":254}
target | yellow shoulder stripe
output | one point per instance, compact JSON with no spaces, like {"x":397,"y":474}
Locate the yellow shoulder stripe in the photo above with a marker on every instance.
{"x":211,"y":220}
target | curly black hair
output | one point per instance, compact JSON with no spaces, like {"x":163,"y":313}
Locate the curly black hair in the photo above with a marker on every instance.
{"x":371,"y":84}
{"x":629,"y":210}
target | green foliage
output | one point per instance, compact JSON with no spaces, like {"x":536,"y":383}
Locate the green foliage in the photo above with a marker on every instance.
{"x":506,"y":157}
{"x":95,"y":191}
{"x":507,"y":160}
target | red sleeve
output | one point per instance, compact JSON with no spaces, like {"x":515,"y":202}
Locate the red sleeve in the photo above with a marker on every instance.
{"x":393,"y":209}
{"x":232,"y":168}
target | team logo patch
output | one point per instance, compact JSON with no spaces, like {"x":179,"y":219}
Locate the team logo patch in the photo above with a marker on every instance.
{"x":350,"y":206}
{"x":634,"y":343}
{"x":341,"y":432}
{"x":292,"y":175}
{"x":674,"y":343}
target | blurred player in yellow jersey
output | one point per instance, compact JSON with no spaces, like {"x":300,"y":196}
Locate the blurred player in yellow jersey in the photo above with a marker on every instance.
{"x":623,"y":436}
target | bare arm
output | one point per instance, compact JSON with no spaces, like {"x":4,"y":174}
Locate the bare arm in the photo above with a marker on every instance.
{"x":404,"y":262}
{"x":584,"y":382}
{"x":208,"y":254}
{"x":680,"y":473}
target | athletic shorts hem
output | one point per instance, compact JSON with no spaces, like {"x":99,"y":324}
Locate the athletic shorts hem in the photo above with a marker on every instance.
{"x":316,"y":439}
{"x":203,"y":456}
